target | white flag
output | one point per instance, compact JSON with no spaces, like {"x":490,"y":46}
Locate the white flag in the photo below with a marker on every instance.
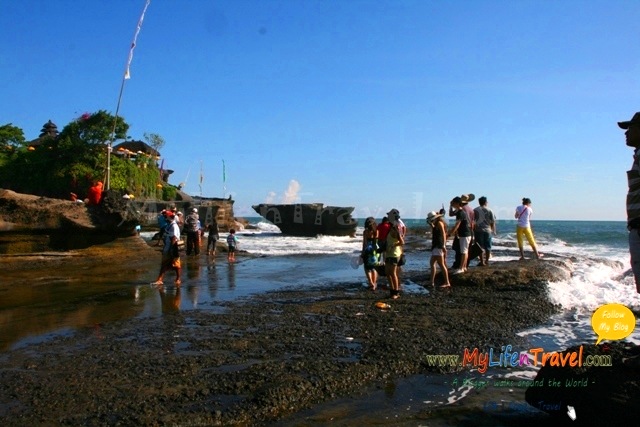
{"x":127,"y":75}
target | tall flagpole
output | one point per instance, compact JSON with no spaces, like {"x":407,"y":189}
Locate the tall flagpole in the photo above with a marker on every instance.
{"x":126,"y":76}
{"x":201,"y":179}
{"x":224,"y":180}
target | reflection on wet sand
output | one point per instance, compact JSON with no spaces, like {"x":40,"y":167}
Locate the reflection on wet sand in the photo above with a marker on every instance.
{"x":43,"y":295}
{"x":170,"y":299}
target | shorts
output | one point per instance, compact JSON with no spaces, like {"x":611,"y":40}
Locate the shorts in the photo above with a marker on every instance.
{"x":171,"y":262}
{"x":232,"y":249}
{"x":484,"y":239}
{"x":391,"y":260}
{"x":437,"y":252}
{"x":464,"y":244}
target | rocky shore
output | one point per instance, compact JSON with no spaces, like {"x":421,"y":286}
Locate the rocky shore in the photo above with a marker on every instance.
{"x":259,"y":360}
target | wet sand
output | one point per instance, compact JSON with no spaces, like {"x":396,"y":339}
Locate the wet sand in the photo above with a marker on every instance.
{"x":274,"y":357}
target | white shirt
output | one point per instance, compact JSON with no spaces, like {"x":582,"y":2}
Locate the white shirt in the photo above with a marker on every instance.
{"x":524,"y":214}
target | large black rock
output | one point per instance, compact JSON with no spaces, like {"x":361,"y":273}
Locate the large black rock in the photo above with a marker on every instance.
{"x":309,"y":219}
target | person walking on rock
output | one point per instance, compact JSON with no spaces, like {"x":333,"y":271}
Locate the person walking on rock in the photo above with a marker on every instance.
{"x":462,"y":230}
{"x":370,"y":255}
{"x":485,"y":228}
{"x":395,"y":241}
{"x":438,"y":247}
{"x":523,"y":215}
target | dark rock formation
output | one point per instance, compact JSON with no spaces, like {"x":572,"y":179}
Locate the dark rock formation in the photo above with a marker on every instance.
{"x":609,"y":390}
{"x":63,"y":220}
{"x":309,"y":219}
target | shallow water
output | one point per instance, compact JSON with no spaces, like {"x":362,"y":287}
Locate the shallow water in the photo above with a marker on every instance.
{"x":423,"y":400}
{"x":63,"y":291}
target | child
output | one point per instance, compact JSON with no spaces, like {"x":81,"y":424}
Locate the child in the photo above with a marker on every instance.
{"x":232,"y":242}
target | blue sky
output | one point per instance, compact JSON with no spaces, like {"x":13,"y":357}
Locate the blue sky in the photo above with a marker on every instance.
{"x":372,"y":104}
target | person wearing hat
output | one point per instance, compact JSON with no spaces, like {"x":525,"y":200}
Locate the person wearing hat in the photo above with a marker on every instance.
{"x":370,"y":254}
{"x":170,"y":253}
{"x":460,"y":246}
{"x":192,"y":230}
{"x":393,"y":254}
{"x":632,"y":137}
{"x":463,"y":230}
{"x":465,"y":199}
{"x":394,"y":216}
{"x":438,"y":247}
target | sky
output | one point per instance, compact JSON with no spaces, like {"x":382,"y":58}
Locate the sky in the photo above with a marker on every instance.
{"x":372,"y":104}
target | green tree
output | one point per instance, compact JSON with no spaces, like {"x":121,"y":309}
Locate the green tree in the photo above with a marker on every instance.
{"x":11,"y":139}
{"x":154,"y":140}
{"x":75,"y":158}
{"x":11,"y":136}
{"x":82,"y":148}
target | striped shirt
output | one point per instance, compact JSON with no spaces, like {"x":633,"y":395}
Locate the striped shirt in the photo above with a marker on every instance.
{"x":633,"y":196}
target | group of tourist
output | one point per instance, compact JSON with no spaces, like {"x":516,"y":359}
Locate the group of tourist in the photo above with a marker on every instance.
{"x":472,"y":233}
{"x":172,"y":225}
{"x":382,"y":245}
{"x":473,"y":225}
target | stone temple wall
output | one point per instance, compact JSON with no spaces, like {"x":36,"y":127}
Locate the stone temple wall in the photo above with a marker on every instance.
{"x":221,"y":209}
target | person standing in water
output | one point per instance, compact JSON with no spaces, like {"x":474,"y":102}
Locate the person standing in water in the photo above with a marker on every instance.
{"x":232,"y":243}
{"x":213,"y":237}
{"x":170,"y":252}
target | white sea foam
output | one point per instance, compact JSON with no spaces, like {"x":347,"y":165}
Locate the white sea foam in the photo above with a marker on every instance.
{"x":597,"y":278}
{"x":268,"y":240}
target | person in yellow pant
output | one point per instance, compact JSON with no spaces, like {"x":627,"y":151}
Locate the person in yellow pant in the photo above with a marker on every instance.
{"x":523,"y":215}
